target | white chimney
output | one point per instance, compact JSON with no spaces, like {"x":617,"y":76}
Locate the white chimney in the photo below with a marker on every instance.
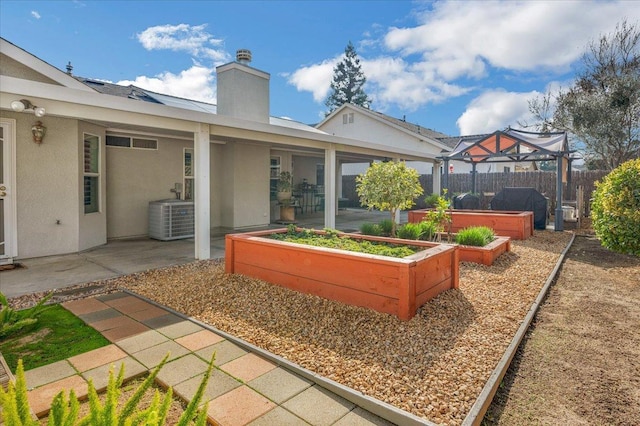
{"x":243,"y":91}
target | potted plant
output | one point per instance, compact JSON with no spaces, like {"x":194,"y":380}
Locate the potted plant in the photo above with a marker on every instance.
{"x":284,"y":186}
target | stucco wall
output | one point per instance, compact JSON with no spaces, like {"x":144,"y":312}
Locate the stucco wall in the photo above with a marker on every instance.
{"x":243,"y":92}
{"x":134,"y":178}
{"x":47,"y":182}
{"x":305,"y":168}
{"x":245,"y":199}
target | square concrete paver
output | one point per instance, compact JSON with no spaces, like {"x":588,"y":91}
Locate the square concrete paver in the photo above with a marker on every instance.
{"x":360,"y":417}
{"x":318,"y":406}
{"x":278,"y":416}
{"x":97,"y":357}
{"x":100,"y":375}
{"x":218,"y":384}
{"x":225,"y":351}
{"x":163,"y":321}
{"x":135,"y":307}
{"x":152,"y":356}
{"x":180,"y":329}
{"x":104,"y":314}
{"x":145,"y":314}
{"x":48,"y":373}
{"x":200,"y":339}
{"x":142,"y":341}
{"x":248,"y":367}
{"x":181,"y":369}
{"x":40,"y":398}
{"x":124,"y":331}
{"x":119,"y":302}
{"x":239,"y":407}
{"x":84,"y":306}
{"x":280,"y":385}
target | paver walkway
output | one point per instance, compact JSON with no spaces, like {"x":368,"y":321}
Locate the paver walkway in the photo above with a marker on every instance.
{"x":244,"y":388}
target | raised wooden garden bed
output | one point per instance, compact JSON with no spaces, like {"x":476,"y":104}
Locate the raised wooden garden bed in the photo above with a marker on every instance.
{"x":485,"y":255}
{"x":397,"y":286}
{"x":515,"y":224}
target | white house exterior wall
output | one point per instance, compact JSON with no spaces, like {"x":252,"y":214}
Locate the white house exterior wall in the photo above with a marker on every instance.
{"x":246,"y":185}
{"x":47,"y":182}
{"x":137,"y":176}
{"x":367,"y":129}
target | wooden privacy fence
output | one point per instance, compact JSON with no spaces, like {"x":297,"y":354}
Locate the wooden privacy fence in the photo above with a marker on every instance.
{"x":543,"y":181}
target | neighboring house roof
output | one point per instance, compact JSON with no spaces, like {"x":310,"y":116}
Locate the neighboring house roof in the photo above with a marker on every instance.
{"x":415,"y":130}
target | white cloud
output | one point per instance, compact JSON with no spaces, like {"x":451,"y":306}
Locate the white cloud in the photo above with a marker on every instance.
{"x":494,"y":110}
{"x":35,"y":14}
{"x":461,"y":38}
{"x":194,"y":83}
{"x":455,"y":41}
{"x":314,"y":78}
{"x":192,"y":39}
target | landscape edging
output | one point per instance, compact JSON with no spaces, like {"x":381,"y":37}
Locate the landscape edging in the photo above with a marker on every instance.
{"x":480,"y":407}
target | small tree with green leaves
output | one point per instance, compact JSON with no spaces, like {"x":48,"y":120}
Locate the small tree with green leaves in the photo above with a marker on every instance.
{"x":389,"y":186}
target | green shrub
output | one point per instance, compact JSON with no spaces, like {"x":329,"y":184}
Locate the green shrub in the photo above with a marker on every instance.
{"x":409,"y":231}
{"x":12,"y":321}
{"x":427,"y":230}
{"x":371,"y":229}
{"x":386,"y":226}
{"x":431,"y":200}
{"x":478,"y":236}
{"x":64,"y":411}
{"x":615,"y":209}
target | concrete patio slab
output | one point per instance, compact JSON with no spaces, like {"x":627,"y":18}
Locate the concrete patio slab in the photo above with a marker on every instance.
{"x":152,"y":356}
{"x":198,"y":340}
{"x":318,"y":406}
{"x":278,"y":416}
{"x":100,"y":375}
{"x":180,"y":329}
{"x":181,"y":369}
{"x":219,"y":383}
{"x":225,"y":351}
{"x":279,"y":385}
{"x":248,"y":367}
{"x":40,"y":398}
{"x":142,"y":341}
{"x":97,"y":357}
{"x":360,"y":417}
{"x":239,"y":407}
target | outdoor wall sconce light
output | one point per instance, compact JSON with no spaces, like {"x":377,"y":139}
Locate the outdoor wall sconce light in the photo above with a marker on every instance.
{"x":38,"y":131}
{"x":24,"y":104}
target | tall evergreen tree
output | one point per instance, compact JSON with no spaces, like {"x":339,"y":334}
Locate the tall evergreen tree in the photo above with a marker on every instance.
{"x":348,"y":81}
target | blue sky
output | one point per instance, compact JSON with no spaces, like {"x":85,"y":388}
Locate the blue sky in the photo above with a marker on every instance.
{"x":460,"y":67}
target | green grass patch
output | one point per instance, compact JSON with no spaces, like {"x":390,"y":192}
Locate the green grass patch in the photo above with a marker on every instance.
{"x":58,"y":334}
{"x":333,"y":240}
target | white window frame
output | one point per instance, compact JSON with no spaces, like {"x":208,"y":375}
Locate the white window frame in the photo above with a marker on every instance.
{"x":90,"y":174}
{"x":131,"y":142}
{"x":186,"y":177}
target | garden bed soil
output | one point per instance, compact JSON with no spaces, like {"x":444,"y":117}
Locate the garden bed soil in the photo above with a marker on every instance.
{"x":515,"y":224}
{"x":397,"y":286}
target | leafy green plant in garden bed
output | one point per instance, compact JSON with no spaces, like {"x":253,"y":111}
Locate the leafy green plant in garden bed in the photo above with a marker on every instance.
{"x":40,"y":344}
{"x":478,"y":236}
{"x":333,"y":239}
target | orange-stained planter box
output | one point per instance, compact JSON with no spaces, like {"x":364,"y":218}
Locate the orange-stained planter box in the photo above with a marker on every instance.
{"x":397,"y":286}
{"x":485,"y":255}
{"x":515,"y":224}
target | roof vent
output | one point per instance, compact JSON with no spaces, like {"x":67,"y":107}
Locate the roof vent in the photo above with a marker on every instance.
{"x":243,"y":56}
{"x":69,"y":68}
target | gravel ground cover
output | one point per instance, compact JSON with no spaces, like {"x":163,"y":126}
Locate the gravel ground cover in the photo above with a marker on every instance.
{"x":433,"y":366}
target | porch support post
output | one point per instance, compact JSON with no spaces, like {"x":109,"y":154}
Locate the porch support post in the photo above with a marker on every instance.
{"x":569,"y":188}
{"x":202,"y":192}
{"x":396,"y":218}
{"x":559,"y":220}
{"x":437,"y":182}
{"x":330,"y":196}
{"x":445,"y":184}
{"x":474,"y":173}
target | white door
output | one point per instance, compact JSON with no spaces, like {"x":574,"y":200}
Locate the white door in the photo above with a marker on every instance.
{"x":8,"y":225}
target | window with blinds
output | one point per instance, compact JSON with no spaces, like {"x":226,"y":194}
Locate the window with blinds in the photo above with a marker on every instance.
{"x":91,"y":176}
{"x":130,"y":142}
